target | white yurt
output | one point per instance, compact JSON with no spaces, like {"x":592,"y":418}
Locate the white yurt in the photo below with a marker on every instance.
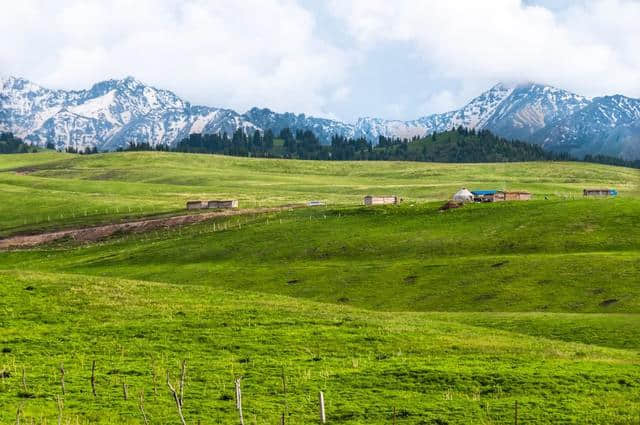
{"x":463,"y":195}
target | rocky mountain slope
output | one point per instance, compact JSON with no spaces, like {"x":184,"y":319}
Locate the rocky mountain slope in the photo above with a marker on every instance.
{"x":115,"y":112}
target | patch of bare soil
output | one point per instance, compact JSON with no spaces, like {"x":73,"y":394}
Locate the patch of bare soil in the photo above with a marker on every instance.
{"x":25,"y":171}
{"x":92,"y":234}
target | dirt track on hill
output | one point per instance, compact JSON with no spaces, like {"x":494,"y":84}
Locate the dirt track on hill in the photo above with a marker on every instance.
{"x":92,"y":234}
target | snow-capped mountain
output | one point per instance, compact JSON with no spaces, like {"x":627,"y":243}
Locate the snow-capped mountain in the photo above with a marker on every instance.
{"x":608,"y":125}
{"x":531,"y":107}
{"x":108,"y":115}
{"x":115,"y":112}
{"x":322,"y":127}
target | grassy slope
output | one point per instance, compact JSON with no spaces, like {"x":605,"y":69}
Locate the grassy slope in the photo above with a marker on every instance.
{"x":559,"y":256}
{"x":68,"y":190}
{"x":496,"y":284}
{"x":366,"y":362}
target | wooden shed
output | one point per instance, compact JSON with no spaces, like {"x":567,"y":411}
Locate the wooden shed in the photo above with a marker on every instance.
{"x":381,"y":200}
{"x":217,"y":203}
{"x":517,"y":196}
{"x":600,"y":192}
{"x":195,"y":205}
{"x":488,"y":195}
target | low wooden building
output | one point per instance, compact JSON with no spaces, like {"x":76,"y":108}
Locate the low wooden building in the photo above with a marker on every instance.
{"x":381,"y":200}
{"x":517,"y":196}
{"x":227,"y":203}
{"x":195,"y":205}
{"x":500,"y":195}
{"x":600,"y":192}
{"x":488,"y":196}
{"x":212,"y":204}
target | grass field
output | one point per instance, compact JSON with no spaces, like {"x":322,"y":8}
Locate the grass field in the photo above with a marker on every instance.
{"x":367,"y":363}
{"x":447,"y":317}
{"x":50,"y":190}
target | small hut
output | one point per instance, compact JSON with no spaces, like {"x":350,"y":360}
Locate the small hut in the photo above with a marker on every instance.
{"x":195,"y":205}
{"x":316,"y":203}
{"x":463,"y":195}
{"x":517,"y":196}
{"x":600,"y":192}
{"x":381,"y":200}
{"x":217,"y":203}
{"x":488,"y":195}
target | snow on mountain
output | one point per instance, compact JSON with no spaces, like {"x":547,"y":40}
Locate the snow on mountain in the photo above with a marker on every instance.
{"x":109,"y":115}
{"x":372,"y":128}
{"x":609,"y":125}
{"x":476,"y":113}
{"x":531,"y":107}
{"x":113,"y":113}
{"x":322,"y":127}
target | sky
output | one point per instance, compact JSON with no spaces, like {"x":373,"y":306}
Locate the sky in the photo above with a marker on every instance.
{"x":340,"y":59}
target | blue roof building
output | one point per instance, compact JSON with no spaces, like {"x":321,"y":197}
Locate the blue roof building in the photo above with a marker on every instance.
{"x":484,"y":192}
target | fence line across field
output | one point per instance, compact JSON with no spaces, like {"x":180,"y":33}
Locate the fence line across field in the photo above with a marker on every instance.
{"x":177,"y":393}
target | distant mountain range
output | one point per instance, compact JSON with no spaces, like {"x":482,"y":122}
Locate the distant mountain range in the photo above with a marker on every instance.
{"x":115,"y":112}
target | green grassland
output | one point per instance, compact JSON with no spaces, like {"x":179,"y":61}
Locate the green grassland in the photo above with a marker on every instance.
{"x":449,"y":317}
{"x":562,"y":256}
{"x":367,"y":363}
{"x":50,"y":190}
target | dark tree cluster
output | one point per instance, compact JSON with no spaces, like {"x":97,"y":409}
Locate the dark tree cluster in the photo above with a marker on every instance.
{"x":142,"y":146}
{"x":242,"y":143}
{"x":89,"y":150}
{"x":11,"y":144}
{"x":456,"y":145}
{"x":239,"y":144}
{"x":345,"y":149}
{"x":612,"y":160}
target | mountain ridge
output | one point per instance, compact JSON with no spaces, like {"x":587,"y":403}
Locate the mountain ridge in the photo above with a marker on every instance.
{"x":114,"y":112}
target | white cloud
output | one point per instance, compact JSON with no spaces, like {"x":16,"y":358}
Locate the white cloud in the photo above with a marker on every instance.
{"x":440,"y":101}
{"x":223,"y":53}
{"x":588,"y":47}
{"x":326,"y":58}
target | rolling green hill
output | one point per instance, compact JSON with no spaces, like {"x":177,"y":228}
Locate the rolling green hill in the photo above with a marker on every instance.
{"x":562,"y":256}
{"x":448,"y":317}
{"x":367,"y":363}
{"x":50,"y":190}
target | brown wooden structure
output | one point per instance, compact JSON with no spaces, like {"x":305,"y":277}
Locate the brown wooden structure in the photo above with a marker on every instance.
{"x":517,"y":196}
{"x":227,"y":203}
{"x":381,"y":200}
{"x":599,"y":192}
{"x":195,"y":205}
{"x":212,"y":204}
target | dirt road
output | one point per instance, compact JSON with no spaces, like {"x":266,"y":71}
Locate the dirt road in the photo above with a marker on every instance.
{"x":92,"y":234}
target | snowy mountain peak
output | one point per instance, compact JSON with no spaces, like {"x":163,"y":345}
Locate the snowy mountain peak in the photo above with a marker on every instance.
{"x":115,"y":112}
{"x":16,"y":83}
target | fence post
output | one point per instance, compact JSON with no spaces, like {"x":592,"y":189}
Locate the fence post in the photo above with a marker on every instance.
{"x":239,"y":400}
{"x":284,"y":394}
{"x":516,"y":413}
{"x":323,"y":418}
{"x":183,"y":372}
{"x":59,"y":403}
{"x":24,"y":381}
{"x":19,"y":413}
{"x":141,"y":406}
{"x":176,"y":397}
{"x":93,"y":378}
{"x":62,"y":378}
